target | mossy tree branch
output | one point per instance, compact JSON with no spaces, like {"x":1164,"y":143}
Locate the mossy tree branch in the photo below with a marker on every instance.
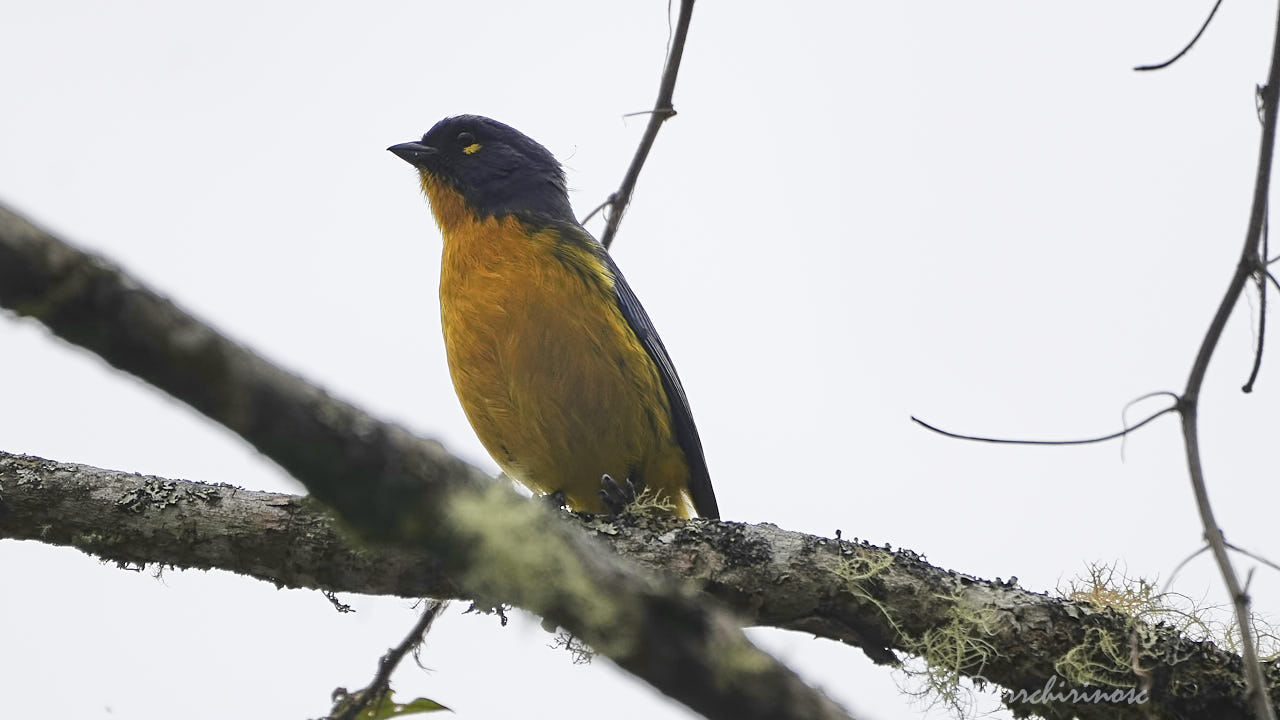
{"x":391,"y":487}
{"x":881,"y":601}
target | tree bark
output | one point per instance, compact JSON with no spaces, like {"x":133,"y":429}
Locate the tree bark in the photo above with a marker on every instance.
{"x":884,"y":602}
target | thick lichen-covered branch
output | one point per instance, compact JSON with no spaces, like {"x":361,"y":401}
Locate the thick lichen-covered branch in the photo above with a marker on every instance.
{"x":881,"y":601}
{"x":391,"y":487}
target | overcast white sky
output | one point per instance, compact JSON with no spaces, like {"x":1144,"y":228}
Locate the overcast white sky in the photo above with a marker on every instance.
{"x":974,"y":212}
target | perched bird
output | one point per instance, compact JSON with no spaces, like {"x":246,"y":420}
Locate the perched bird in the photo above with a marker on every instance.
{"x":558,"y":367}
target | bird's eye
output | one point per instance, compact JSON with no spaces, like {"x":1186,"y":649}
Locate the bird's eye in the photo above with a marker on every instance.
{"x":468,"y":143}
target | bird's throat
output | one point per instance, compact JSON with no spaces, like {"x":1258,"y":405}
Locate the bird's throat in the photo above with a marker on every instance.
{"x":447,"y":204}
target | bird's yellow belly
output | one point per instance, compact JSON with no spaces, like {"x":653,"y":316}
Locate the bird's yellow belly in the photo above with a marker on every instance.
{"x":555,"y":383}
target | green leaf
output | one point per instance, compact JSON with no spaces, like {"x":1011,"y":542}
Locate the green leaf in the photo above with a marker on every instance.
{"x":389,"y":708}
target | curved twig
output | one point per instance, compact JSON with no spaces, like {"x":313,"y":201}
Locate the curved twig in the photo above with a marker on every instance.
{"x":1175,"y":58}
{"x":1124,"y":412}
{"x":1262,"y":333}
{"x":1008,"y":441}
{"x":595,"y":210}
{"x":1169,"y":582}
{"x":1259,"y":274}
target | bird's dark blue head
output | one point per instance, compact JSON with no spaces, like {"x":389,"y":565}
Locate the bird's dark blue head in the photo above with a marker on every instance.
{"x":496,"y":169}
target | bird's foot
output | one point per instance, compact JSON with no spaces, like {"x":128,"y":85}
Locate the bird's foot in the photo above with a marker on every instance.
{"x":617,"y":495}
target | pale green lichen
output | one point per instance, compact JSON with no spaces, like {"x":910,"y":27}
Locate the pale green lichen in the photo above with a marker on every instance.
{"x":951,"y":652}
{"x":944,"y":655}
{"x":516,"y":557}
{"x":1119,"y":660}
{"x":650,"y":501}
{"x":859,"y":567}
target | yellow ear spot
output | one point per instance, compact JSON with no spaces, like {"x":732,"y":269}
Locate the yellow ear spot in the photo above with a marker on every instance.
{"x":471,"y":149}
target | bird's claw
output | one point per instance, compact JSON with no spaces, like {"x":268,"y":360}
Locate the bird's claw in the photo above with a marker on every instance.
{"x":617,"y":496}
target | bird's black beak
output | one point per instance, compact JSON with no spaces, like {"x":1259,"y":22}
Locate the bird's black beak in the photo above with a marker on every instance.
{"x":414,"y":153}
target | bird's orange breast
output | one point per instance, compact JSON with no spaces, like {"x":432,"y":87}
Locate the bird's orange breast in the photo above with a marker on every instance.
{"x":552,"y":377}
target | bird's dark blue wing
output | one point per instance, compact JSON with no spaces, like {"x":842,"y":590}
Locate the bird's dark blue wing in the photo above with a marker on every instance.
{"x":704,"y":497}
{"x":700,"y":491}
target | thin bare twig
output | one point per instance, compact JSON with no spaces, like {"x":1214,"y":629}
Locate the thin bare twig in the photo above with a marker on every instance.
{"x":595,"y":210}
{"x":349,"y":705}
{"x":1262,"y":333}
{"x":1203,"y":549}
{"x":662,"y":109}
{"x":1259,"y":274}
{"x":1124,"y":413}
{"x":1175,"y":58}
{"x":1269,"y":563}
{"x":1257,"y":687}
{"x":1146,"y":396}
{"x":1169,"y":582}
{"x":638,"y":113}
{"x":1007,"y":441}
